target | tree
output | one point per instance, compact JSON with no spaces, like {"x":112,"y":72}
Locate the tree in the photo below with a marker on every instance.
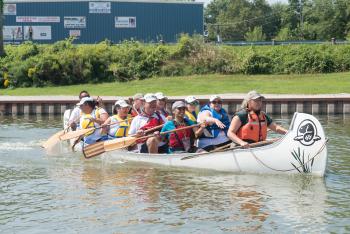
{"x":255,"y":35}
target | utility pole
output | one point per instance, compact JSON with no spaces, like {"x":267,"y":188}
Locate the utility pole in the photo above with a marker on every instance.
{"x":2,"y":51}
{"x":301,"y":19}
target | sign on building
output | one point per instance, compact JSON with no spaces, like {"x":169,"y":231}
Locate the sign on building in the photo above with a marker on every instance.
{"x":75,"y":33}
{"x":13,"y":33}
{"x":10,"y":9}
{"x":37,"y":19}
{"x":125,"y":22}
{"x":37,"y":33}
{"x":74,"y":22}
{"x":100,"y":7}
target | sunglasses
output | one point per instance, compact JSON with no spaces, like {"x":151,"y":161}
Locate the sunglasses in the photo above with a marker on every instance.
{"x":195,"y":103}
{"x":217,"y":102}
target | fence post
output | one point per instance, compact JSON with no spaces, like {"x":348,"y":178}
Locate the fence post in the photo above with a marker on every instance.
{"x":334,"y":41}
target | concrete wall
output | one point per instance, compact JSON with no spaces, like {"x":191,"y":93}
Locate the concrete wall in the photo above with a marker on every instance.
{"x":274,"y":104}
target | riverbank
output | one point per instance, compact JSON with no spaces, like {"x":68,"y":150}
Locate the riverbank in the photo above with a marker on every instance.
{"x":205,"y":84}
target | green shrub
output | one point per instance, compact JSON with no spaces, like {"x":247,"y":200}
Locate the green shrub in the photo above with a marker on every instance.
{"x":65,"y":63}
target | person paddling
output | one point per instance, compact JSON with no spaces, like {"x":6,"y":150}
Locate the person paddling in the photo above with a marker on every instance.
{"x":137,"y":104}
{"x":161,"y":104}
{"x":250,"y":124}
{"x":182,"y":140}
{"x":74,"y":117}
{"x":218,"y":122}
{"x":118,"y":125}
{"x":91,"y":118}
{"x":191,"y":108}
{"x":148,"y":119}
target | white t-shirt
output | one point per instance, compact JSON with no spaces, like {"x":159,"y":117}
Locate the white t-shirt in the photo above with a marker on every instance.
{"x":140,"y":121}
{"x":75,"y":115}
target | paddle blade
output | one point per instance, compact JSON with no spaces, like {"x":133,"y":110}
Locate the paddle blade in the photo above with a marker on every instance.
{"x":94,"y":150}
{"x":119,"y":143}
{"x":53,"y":140}
{"x":75,"y":134}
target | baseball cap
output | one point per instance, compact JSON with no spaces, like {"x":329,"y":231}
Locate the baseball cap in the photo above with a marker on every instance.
{"x":191,"y":99}
{"x":150,"y":97}
{"x":137,"y":96}
{"x":121,"y":103}
{"x":213,"y":97}
{"x":178,"y":104}
{"x":252,"y":95}
{"x":160,"y":95}
{"x":85,"y":99}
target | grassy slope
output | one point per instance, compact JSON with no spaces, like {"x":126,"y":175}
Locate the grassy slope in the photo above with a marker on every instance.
{"x":207,"y":84}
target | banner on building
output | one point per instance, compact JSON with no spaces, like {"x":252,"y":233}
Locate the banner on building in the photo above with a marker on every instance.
{"x":100,"y":7}
{"x":13,"y":33}
{"x":37,"y":19}
{"x":10,"y":9}
{"x":37,"y":33}
{"x":75,"y":33}
{"x":125,"y":22}
{"x":74,"y":22}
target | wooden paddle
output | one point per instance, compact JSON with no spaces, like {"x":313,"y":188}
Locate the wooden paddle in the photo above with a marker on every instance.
{"x":121,"y":143}
{"x":78,"y":133}
{"x":252,"y":145}
{"x":53,"y":140}
{"x":99,"y":147}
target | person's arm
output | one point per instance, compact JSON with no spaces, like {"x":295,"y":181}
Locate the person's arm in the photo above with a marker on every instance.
{"x":198,"y":131}
{"x":107,"y":122}
{"x":234,"y":127}
{"x":277,"y":128}
{"x":206,"y":117}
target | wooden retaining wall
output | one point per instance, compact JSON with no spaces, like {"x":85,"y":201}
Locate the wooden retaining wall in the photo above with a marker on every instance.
{"x":274,"y":104}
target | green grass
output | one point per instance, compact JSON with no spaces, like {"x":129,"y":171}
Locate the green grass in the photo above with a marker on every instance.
{"x":206,"y":84}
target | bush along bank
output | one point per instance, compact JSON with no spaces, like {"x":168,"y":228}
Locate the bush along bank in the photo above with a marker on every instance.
{"x":65,"y":63}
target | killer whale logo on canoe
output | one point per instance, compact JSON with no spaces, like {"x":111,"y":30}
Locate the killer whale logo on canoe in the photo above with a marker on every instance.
{"x":307,"y":133}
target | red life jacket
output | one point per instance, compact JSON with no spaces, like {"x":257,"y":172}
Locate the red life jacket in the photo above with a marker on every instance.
{"x":256,"y":128}
{"x":163,"y":112}
{"x":151,"y":123}
{"x":133,"y":112}
{"x":175,"y":138}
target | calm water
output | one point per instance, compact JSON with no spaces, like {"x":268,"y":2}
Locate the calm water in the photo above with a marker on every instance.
{"x":65,"y":193}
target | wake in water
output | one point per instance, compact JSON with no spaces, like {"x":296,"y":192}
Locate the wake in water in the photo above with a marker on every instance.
{"x":19,"y":146}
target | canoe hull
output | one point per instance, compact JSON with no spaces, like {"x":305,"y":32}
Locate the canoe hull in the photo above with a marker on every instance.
{"x":302,"y":150}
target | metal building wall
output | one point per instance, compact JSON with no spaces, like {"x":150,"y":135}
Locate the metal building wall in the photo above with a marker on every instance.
{"x":152,"y":20}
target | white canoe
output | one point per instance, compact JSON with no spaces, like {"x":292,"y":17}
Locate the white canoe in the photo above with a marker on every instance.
{"x":302,"y":150}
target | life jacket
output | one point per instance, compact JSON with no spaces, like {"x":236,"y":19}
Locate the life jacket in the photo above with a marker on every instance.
{"x":133,"y":112}
{"x":85,"y":123}
{"x":191,"y":116}
{"x":153,"y":121}
{"x":176,"y":139}
{"x":121,"y":128}
{"x":163,"y":112}
{"x":214,"y":129}
{"x":255,"y":129}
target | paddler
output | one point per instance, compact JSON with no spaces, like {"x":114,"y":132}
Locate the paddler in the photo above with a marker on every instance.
{"x":119,"y":123}
{"x":250,"y":124}
{"x":149,"y":118}
{"x":191,"y":108}
{"x":161,"y":104}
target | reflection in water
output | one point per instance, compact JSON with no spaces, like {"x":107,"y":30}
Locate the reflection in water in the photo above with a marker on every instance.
{"x":40,"y":193}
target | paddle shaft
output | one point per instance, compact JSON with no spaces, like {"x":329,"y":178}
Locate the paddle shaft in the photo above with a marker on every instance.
{"x":252,"y":145}
{"x":170,"y":131}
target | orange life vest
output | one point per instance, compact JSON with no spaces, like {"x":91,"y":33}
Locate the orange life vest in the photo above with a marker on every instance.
{"x":256,"y":128}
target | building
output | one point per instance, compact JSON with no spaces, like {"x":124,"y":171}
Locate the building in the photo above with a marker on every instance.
{"x":46,"y":21}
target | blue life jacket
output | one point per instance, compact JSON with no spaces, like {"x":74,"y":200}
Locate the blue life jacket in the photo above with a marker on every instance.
{"x":222,"y":116}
